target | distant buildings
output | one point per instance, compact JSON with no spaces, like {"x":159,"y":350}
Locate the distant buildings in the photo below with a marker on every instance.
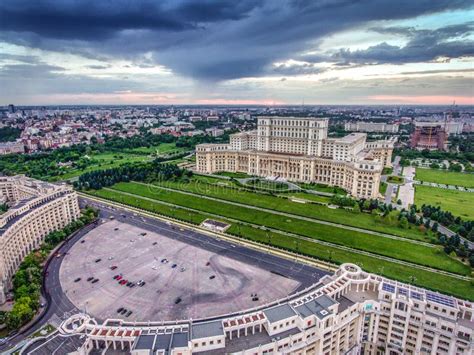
{"x":297,"y":149}
{"x":429,"y":135}
{"x":11,"y":148}
{"x":380,"y":127}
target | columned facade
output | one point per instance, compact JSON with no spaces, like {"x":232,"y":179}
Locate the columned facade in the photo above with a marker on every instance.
{"x":297,"y":149}
{"x":350,"y":312}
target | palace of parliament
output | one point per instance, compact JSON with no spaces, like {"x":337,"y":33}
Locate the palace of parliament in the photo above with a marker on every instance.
{"x":298,"y":149}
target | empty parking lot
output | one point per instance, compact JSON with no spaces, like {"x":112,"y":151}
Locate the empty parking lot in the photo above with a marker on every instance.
{"x":182,"y":280}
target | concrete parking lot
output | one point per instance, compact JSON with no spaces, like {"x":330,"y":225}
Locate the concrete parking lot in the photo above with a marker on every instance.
{"x":202,"y":283}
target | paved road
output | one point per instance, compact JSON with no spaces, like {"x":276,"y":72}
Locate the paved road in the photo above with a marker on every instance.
{"x":316,"y":241}
{"x":59,"y":307}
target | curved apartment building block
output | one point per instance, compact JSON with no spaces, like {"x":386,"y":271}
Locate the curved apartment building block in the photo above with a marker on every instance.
{"x":35,"y":209}
{"x":350,"y":312}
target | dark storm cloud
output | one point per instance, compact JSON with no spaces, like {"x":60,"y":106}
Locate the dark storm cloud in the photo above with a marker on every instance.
{"x":18,"y":58}
{"x":207,"y":40}
{"x":98,"y":67}
{"x":422,"y":46}
{"x":296,"y":69}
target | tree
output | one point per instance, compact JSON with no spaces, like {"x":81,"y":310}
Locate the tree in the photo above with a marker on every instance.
{"x":427,"y":223}
{"x":471,"y":260}
{"x":403,"y":222}
{"x":434,"y":227}
{"x":21,"y":313}
{"x":356,"y":208}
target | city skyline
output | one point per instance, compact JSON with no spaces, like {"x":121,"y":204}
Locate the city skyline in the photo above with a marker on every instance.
{"x":247,"y":52}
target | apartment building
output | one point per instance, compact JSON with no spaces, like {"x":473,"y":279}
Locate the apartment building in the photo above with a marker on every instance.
{"x":349,"y":312}
{"x":373,"y":127}
{"x":298,"y":149}
{"x":35,"y":209}
{"x":12,"y":148}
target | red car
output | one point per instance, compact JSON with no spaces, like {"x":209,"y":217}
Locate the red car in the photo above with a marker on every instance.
{"x":120,"y":277}
{"x":123,"y":282}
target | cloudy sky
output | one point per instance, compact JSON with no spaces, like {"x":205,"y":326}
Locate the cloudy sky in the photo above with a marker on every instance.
{"x":233,"y":52}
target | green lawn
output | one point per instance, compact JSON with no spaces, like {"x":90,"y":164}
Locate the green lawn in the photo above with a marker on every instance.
{"x":162,"y":149}
{"x":105,"y":161}
{"x":267,"y":185}
{"x":445,"y":177}
{"x":308,"y":197}
{"x":395,"y":179}
{"x":322,"y":188}
{"x":387,"y":171}
{"x":383,"y":188}
{"x":459,"y":203}
{"x":435,"y":281}
{"x":399,"y":249}
{"x":233,"y":175}
{"x":208,"y":186}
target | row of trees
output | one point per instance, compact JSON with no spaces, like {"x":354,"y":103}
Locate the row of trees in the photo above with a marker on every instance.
{"x":466,"y":155}
{"x":28,"y":278}
{"x":151,"y":171}
{"x":446,"y":218}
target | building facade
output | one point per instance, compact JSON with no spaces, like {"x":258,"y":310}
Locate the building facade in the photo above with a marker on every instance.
{"x":429,"y":136}
{"x":12,"y":148}
{"x":298,"y":149}
{"x":350,"y":312}
{"x":35,"y":209}
{"x":375,"y":127}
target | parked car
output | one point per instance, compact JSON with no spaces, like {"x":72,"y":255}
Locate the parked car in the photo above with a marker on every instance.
{"x":124,"y":311}
{"x":177,"y":300}
{"x":90,"y":278}
{"x":128,"y":314}
{"x":173,"y":266}
{"x":77,"y":280}
{"x":142,"y":284}
{"x":95,"y":280}
{"x":113,"y":267}
{"x":120,"y":310}
{"x":212,"y":277}
{"x":98,"y":260}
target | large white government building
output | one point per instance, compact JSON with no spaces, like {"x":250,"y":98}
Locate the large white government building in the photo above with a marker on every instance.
{"x":298,"y":149}
{"x":349,"y":312}
{"x":35,"y":209}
